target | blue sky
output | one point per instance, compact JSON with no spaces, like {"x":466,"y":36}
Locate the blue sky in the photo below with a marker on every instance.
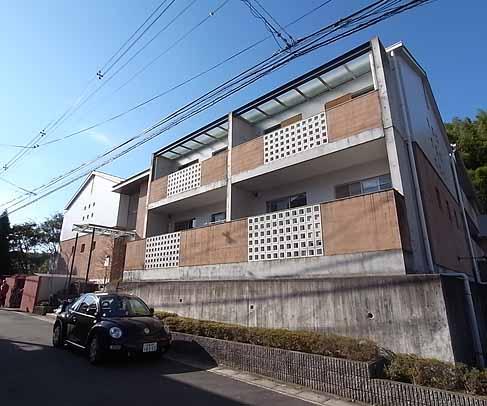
{"x":50,"y":50}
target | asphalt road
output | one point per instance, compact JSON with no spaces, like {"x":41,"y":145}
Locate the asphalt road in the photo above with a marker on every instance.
{"x":34,"y":373}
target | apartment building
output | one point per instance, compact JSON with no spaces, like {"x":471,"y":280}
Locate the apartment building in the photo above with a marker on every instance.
{"x":346,"y":170}
{"x":91,"y":219}
{"x":333,"y":203}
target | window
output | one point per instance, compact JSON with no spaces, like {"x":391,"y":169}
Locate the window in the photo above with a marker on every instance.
{"x":93,"y":205}
{"x":369,"y":185}
{"x":218,"y":217}
{"x":123,"y":306}
{"x":287,"y":202}
{"x":438,"y":198}
{"x":93,"y":246}
{"x":82,"y":248}
{"x":184,"y":225}
{"x":88,"y":305}
{"x":83,"y":218}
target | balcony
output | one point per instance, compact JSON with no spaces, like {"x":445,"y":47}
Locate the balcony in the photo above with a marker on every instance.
{"x":366,"y":223}
{"x":194,"y":179}
{"x":323,"y":133}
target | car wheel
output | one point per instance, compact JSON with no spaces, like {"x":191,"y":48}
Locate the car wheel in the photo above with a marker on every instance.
{"x":95,"y":352}
{"x":57,"y":337}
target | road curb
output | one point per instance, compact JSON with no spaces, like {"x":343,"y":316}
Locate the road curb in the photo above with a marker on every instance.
{"x":294,"y":391}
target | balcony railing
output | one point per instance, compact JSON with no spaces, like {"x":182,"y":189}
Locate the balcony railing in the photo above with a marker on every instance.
{"x":294,"y":233}
{"x":371,"y":222}
{"x":162,"y":251}
{"x":184,"y":179}
{"x":295,"y":138}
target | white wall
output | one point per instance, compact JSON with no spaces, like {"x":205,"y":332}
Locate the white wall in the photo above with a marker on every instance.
{"x":104,"y":212}
{"x":427,"y":127}
{"x":318,"y":189}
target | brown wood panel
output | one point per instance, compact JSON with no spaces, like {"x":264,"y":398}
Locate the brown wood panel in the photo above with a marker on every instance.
{"x":248,"y":155}
{"x":339,"y":100}
{"x":214,"y":169}
{"x":217,"y":244}
{"x":291,"y":120}
{"x":158,"y":189}
{"x":448,"y":241}
{"x":352,"y":117}
{"x":360,"y":224}
{"x":135,"y":255}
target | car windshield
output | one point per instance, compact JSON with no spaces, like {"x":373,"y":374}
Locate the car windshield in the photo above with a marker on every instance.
{"x":123,"y":306}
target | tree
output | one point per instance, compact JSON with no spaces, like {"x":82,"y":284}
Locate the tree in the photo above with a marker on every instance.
{"x":50,"y":233}
{"x":5,"y":268}
{"x":470,"y":136}
{"x":24,"y":239}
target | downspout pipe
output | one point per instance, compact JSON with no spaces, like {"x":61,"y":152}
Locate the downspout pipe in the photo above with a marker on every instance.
{"x":464,"y":215}
{"x":474,"y":326}
{"x":412,"y":162}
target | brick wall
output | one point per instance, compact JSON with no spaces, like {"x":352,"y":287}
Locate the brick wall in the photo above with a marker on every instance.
{"x":248,"y":155}
{"x":349,"y":379}
{"x":363,"y":223}
{"x":354,"y":116}
{"x":217,"y":244}
{"x":103,"y":247}
{"x":214,"y":169}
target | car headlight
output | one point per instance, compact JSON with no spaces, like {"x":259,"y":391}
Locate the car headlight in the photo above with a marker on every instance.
{"x":115,"y":332}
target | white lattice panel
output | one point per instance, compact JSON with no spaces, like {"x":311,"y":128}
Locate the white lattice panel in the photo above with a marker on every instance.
{"x":295,"y":138}
{"x":185,"y":179}
{"x":293,"y":233}
{"x":162,"y":251}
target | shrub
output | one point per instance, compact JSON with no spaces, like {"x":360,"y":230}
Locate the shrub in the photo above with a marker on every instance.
{"x":305,"y":341}
{"x":437,"y":374}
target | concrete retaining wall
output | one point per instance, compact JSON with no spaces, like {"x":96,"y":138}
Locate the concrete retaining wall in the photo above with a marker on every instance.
{"x":402,"y":313}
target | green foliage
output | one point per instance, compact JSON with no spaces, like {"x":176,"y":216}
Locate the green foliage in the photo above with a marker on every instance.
{"x":5,"y":267}
{"x":304,"y":341}
{"x":437,"y":374}
{"x":471,"y":139}
{"x":33,"y":247}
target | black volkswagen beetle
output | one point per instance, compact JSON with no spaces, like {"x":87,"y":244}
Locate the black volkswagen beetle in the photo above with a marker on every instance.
{"x":103,"y":323}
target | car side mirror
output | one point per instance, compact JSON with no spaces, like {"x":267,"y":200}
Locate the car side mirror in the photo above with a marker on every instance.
{"x":151,"y":309}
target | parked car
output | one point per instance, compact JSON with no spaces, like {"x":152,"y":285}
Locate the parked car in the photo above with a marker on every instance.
{"x":107,"y":323}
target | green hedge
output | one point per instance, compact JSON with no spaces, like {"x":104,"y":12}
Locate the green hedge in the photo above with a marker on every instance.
{"x":437,"y":374}
{"x":314,"y":343}
{"x":401,"y":367}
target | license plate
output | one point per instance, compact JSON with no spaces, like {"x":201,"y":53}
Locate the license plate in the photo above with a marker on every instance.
{"x":149,"y":347}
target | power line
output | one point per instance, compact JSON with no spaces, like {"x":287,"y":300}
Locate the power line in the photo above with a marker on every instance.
{"x":357,"y":21}
{"x":102,"y":69}
{"x":74,"y":106}
{"x":205,"y":98}
{"x":139,"y":37}
{"x":167,"y":91}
